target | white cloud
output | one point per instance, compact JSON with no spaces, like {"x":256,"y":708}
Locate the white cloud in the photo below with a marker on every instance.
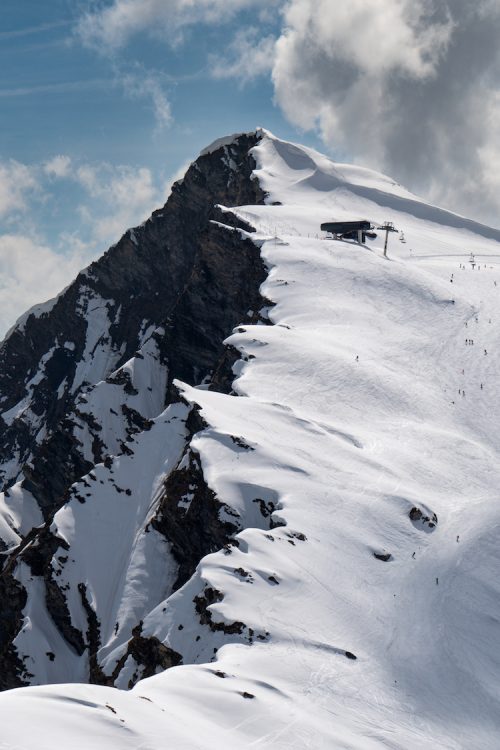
{"x":59,"y":166}
{"x":112,"y":198}
{"x":406,"y":86}
{"x":249,"y":55}
{"x":17,"y":183}
{"x":122,"y":196}
{"x":148,"y":85}
{"x":375,"y":36}
{"x":111,"y":27}
{"x":175,"y":177}
{"x":30,"y":272}
{"x":335,"y":62}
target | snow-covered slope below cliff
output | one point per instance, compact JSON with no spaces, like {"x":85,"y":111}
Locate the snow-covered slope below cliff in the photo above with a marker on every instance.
{"x":360,"y":606}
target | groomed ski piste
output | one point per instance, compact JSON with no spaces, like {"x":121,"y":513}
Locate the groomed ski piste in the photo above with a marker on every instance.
{"x":369,"y":420}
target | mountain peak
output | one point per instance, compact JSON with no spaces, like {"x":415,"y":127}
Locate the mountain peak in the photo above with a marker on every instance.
{"x":240,"y":459}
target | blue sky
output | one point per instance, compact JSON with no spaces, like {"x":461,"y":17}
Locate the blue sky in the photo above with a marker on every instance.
{"x":104,"y":102}
{"x":60,"y":97}
{"x":90,"y":138}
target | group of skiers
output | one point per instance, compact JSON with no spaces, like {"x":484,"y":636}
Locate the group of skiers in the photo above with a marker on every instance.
{"x":468,"y":341}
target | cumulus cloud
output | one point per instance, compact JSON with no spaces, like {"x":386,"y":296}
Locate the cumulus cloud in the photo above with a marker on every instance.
{"x":112,"y":197}
{"x":17,"y":183}
{"x":112,"y":26}
{"x":109,"y":199}
{"x":337,"y":64}
{"x":148,"y":85}
{"x":59,"y":166}
{"x":30,"y":272}
{"x":407,"y":86}
{"x":248,"y":56}
{"x":125,"y":196}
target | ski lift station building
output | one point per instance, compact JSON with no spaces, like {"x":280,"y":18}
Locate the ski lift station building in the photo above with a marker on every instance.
{"x":349,"y":230}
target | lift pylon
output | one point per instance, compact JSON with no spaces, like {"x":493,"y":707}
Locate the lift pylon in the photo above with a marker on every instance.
{"x":387,"y":226}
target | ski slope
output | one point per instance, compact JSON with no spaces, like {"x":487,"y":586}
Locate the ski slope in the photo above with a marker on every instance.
{"x":361,"y":403}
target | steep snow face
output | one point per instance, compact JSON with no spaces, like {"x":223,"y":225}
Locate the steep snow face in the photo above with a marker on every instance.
{"x":137,"y":388}
{"x":359,"y":608}
{"x":105,"y":543}
{"x":28,"y":416}
{"x":98,"y":358}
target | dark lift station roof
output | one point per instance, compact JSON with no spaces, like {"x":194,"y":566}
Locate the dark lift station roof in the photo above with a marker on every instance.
{"x":345,"y":227}
{"x":349,"y":230}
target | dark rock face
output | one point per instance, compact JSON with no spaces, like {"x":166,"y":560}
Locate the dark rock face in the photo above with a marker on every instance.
{"x":38,"y":555}
{"x":189,"y":518}
{"x":149,"y":654}
{"x":422,"y":519}
{"x":176,"y":270}
{"x":54,"y":467}
{"x":203,"y":601}
{"x":96,"y":675}
{"x":178,"y":283}
{"x":193,"y":332}
{"x":384,"y":556}
{"x":13,"y":598}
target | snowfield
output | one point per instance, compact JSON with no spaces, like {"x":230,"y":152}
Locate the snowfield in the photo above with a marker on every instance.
{"x":367,"y":424}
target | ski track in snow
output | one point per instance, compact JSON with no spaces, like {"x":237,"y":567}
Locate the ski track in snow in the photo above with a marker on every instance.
{"x":352,"y":404}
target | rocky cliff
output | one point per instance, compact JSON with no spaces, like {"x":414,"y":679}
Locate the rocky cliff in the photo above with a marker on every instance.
{"x":82,"y":379}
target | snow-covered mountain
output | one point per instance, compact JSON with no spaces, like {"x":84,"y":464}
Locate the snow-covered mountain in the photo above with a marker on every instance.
{"x":251,"y":475}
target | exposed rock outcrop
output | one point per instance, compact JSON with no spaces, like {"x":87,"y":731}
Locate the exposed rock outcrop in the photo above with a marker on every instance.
{"x":72,"y":392}
{"x":189,"y":513}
